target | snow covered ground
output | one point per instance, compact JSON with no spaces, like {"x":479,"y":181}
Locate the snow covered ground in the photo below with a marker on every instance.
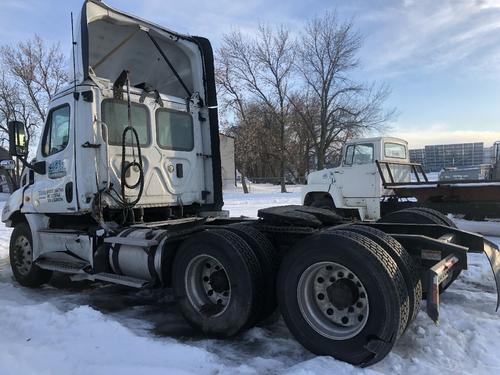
{"x":84,"y":328}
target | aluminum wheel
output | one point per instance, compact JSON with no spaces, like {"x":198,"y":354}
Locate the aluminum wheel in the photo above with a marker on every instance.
{"x":333,"y":300}
{"x":23,"y":255}
{"x":207,"y":285}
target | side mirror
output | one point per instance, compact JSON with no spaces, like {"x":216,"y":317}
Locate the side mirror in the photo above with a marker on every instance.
{"x":18,"y":145}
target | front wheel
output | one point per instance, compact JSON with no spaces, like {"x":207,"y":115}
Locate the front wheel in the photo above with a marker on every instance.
{"x":21,"y":258}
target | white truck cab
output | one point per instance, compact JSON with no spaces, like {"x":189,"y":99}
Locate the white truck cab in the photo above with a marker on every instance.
{"x":355,"y":187}
{"x":83,"y":156}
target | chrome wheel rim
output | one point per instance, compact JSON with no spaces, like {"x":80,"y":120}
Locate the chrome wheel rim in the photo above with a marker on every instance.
{"x":208,"y":287}
{"x":23,"y":258}
{"x":333,"y":300}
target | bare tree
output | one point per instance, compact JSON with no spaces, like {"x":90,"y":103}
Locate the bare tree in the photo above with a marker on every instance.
{"x":259,"y":70}
{"x":38,"y":69}
{"x":32,"y":73}
{"x":333,"y":107}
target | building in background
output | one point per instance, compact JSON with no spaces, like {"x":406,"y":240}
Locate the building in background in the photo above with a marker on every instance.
{"x":417,"y":156}
{"x":436,"y":157}
{"x":227,"y":160}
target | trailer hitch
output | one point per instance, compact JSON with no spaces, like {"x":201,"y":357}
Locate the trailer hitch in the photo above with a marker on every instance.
{"x":444,"y":269}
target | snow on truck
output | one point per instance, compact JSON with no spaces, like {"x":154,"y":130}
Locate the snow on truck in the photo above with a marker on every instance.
{"x":125,"y":188}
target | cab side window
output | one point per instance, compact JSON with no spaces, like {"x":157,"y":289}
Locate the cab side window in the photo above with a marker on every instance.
{"x":359,"y":154}
{"x":56,"y":133}
{"x":363,"y":154}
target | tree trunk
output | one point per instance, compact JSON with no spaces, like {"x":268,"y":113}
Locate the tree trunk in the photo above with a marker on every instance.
{"x":320,"y":159}
{"x":244,"y":183}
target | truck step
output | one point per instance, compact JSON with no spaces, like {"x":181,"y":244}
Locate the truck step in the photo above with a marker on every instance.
{"x":61,"y":266}
{"x":119,"y":279}
{"x":138,"y":242}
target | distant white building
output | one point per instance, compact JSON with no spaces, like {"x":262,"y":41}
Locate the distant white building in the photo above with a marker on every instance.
{"x":227,"y":160}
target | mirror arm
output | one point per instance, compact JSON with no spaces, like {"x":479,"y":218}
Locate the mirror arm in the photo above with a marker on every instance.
{"x":36,"y":167}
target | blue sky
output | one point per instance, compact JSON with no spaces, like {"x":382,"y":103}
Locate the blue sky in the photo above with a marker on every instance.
{"x":441,"y":58}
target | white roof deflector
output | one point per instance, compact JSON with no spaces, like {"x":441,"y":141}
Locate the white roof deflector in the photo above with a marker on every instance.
{"x":111,"y":42}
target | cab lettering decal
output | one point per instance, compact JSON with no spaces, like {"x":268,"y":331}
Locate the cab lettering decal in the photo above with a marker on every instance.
{"x":57,"y":169}
{"x":51,"y":195}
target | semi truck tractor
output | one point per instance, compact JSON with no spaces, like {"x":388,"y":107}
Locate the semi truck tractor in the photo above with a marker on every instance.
{"x":125,"y":188}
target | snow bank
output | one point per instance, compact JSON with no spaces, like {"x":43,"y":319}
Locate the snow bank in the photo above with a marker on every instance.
{"x":82,"y":328}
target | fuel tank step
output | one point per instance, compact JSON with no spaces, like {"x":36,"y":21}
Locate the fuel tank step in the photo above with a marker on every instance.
{"x":62,"y":266}
{"x":118,"y":279}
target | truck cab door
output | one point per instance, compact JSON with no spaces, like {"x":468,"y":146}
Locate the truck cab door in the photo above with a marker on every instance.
{"x":358,"y":176}
{"x":53,"y":191}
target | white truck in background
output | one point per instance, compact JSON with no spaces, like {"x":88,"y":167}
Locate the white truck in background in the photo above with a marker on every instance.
{"x":355,"y":188}
{"x":376,"y":177}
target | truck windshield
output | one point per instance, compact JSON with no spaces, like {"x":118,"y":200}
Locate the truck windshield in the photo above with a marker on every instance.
{"x":174,"y":130}
{"x":395,"y":151}
{"x":114,"y":114}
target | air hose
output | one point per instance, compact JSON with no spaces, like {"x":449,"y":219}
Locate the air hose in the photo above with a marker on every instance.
{"x":127,"y":166}
{"x":134,"y":164}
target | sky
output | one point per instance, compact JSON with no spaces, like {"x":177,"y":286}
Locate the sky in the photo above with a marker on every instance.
{"x":440,"y":58}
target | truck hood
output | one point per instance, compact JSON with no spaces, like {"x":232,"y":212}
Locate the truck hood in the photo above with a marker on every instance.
{"x":109,"y":41}
{"x":323,"y":176}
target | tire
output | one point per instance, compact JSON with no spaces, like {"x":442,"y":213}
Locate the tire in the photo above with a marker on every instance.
{"x":404,"y":261}
{"x":410,"y":216}
{"x":21,"y":258}
{"x":269,"y":262}
{"x":442,"y":217}
{"x":363,"y":270}
{"x":324,"y":203}
{"x":220,"y":261}
{"x":419,"y":216}
{"x":327,"y":204}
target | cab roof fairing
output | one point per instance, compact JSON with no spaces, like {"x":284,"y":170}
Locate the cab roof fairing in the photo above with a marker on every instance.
{"x":109,"y":41}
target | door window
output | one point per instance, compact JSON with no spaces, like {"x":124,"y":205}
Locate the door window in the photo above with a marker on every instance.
{"x":56,"y":134}
{"x":363,"y":154}
{"x":115,"y":115}
{"x":359,"y":154}
{"x":174,"y":130}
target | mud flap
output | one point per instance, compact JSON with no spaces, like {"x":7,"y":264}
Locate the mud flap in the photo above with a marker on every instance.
{"x":437,"y":274}
{"x":493,"y":253}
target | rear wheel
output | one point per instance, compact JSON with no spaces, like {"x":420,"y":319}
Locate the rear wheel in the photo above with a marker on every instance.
{"x":268,"y":259}
{"x":217,"y":280}
{"x":442,"y":217}
{"x":421,"y":215}
{"x":410,"y":216}
{"x":404,"y":261}
{"x":342,"y":295}
{"x":21,"y":258}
